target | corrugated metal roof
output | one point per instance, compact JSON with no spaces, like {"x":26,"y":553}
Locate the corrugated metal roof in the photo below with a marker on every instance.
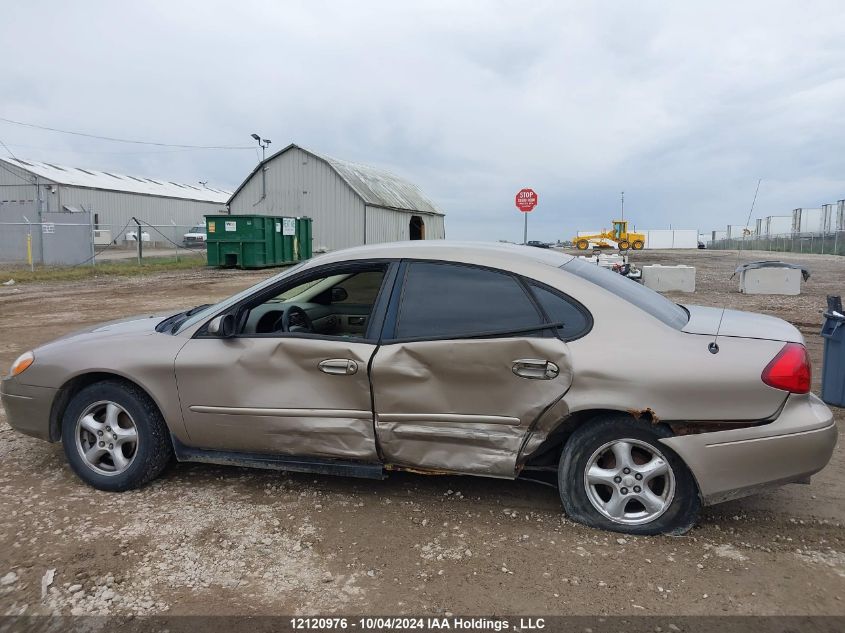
{"x":376,"y":187}
{"x":380,"y":188}
{"x":112,"y":181}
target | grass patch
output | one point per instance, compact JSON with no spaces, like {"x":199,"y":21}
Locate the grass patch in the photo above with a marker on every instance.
{"x":119,"y":268}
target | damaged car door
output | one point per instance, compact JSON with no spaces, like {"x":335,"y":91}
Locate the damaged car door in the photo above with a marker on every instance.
{"x":291,"y":379}
{"x":469,"y":359}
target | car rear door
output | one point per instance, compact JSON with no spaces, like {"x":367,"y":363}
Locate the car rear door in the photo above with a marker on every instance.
{"x":466,"y":364}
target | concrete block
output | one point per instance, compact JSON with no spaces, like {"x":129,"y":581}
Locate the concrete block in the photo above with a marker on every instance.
{"x":669,"y":278}
{"x":770,"y":281}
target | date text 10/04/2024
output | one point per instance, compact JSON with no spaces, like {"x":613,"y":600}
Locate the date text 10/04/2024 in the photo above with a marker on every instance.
{"x":414,"y":624}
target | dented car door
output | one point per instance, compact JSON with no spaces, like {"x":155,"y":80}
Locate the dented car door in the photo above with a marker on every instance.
{"x":467,"y":363}
{"x":293,"y":396}
{"x":294,"y":389}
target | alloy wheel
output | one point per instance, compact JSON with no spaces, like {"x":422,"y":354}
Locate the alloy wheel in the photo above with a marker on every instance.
{"x":629,"y":481}
{"x":106,"y":438}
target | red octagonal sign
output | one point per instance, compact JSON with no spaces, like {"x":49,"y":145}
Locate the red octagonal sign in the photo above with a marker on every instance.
{"x":526,"y":200}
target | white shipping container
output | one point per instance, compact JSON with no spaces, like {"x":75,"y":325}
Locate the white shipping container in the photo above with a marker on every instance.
{"x":737,"y":231}
{"x":808,"y":220}
{"x":671,"y":238}
{"x":778,"y":225}
{"x":828,"y":217}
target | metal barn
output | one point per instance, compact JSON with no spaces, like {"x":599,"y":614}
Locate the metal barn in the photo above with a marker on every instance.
{"x":350,"y":204}
{"x":112,"y":199}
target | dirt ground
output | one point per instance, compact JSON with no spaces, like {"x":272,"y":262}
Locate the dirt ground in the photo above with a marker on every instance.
{"x":218,"y":540}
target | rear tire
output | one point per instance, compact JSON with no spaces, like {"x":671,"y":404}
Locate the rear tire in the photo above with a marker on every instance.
{"x":582,"y":245}
{"x":657,"y":494}
{"x":114,"y":436}
{"x":638,"y":245}
{"x":624,"y":245}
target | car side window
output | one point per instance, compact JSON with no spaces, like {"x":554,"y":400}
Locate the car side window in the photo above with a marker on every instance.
{"x":337,"y":304}
{"x":362,"y":288}
{"x":561,"y":309}
{"x":443,"y":300}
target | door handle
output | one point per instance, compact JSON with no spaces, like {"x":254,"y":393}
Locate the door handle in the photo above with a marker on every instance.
{"x":339,"y":366}
{"x":535,"y":369}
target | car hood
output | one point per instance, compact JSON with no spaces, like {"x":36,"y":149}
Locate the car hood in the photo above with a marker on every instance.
{"x":138,"y":325}
{"x":706,"y":320}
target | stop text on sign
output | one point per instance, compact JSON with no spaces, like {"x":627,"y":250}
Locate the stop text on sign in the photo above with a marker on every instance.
{"x":526,"y":200}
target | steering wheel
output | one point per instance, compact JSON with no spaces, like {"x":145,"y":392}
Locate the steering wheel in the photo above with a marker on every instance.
{"x":293,"y":319}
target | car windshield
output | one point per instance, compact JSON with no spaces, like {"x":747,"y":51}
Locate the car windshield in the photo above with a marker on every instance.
{"x":199,"y":228}
{"x":230,"y":301}
{"x":644,"y":298}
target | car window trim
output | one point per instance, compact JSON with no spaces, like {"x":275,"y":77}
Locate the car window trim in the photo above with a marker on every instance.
{"x":394,"y":299}
{"x":327,"y":269}
{"x":392,"y":320}
{"x":569,"y":299}
{"x":473,"y":335}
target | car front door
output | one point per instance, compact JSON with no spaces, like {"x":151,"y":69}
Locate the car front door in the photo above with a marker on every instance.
{"x":299,"y":392}
{"x":467,"y":363}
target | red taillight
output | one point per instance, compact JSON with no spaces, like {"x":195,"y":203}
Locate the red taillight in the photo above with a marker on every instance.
{"x":790,"y":370}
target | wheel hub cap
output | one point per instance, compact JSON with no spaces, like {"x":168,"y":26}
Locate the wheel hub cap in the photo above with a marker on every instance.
{"x":629,"y":482}
{"x":106,"y":438}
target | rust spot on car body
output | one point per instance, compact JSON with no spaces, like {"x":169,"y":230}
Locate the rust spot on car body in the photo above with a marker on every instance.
{"x":647,"y":414}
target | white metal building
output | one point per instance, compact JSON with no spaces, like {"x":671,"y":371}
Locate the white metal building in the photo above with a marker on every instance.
{"x":111,"y":198}
{"x":350,"y":204}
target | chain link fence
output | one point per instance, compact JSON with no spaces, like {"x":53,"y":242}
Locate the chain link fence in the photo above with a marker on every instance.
{"x":832,"y":243}
{"x":72,"y":239}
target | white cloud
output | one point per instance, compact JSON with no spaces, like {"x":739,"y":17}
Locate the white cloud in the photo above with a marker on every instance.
{"x":682,"y":105}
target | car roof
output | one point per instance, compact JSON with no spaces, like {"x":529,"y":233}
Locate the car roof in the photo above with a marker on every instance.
{"x":505,"y":254}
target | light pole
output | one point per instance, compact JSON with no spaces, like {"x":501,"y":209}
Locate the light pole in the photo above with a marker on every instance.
{"x":263,"y":143}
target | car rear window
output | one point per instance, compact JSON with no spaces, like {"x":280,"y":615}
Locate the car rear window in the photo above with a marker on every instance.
{"x":644,"y":298}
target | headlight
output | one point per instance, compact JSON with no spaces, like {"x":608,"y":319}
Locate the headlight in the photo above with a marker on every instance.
{"x":22,"y":363}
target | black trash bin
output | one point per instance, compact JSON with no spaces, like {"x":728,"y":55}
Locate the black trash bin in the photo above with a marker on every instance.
{"x":833,"y":366}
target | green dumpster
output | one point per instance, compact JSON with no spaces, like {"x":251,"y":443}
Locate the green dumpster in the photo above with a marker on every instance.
{"x":256,"y":241}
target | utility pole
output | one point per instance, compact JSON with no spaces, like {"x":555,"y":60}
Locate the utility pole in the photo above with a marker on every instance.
{"x":623,"y":206}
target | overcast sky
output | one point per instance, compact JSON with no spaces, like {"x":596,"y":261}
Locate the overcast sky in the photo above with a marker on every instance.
{"x":682,"y":105}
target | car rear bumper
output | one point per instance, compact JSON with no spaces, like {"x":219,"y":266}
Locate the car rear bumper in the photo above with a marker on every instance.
{"x":731,"y":464}
{"x":27,"y":408}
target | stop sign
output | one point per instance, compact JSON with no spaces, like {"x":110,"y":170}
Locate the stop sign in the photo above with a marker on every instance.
{"x":526,"y":200}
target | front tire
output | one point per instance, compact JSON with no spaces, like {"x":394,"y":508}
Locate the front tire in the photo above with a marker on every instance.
{"x":615,"y":475}
{"x":114,"y":436}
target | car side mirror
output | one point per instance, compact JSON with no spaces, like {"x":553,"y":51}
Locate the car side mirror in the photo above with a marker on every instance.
{"x":339,"y":294}
{"x":222,"y":326}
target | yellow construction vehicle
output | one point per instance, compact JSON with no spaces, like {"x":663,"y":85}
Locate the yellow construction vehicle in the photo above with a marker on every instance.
{"x":624,"y":239}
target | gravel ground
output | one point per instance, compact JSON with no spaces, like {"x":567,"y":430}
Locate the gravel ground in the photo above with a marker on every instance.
{"x":215,"y":540}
